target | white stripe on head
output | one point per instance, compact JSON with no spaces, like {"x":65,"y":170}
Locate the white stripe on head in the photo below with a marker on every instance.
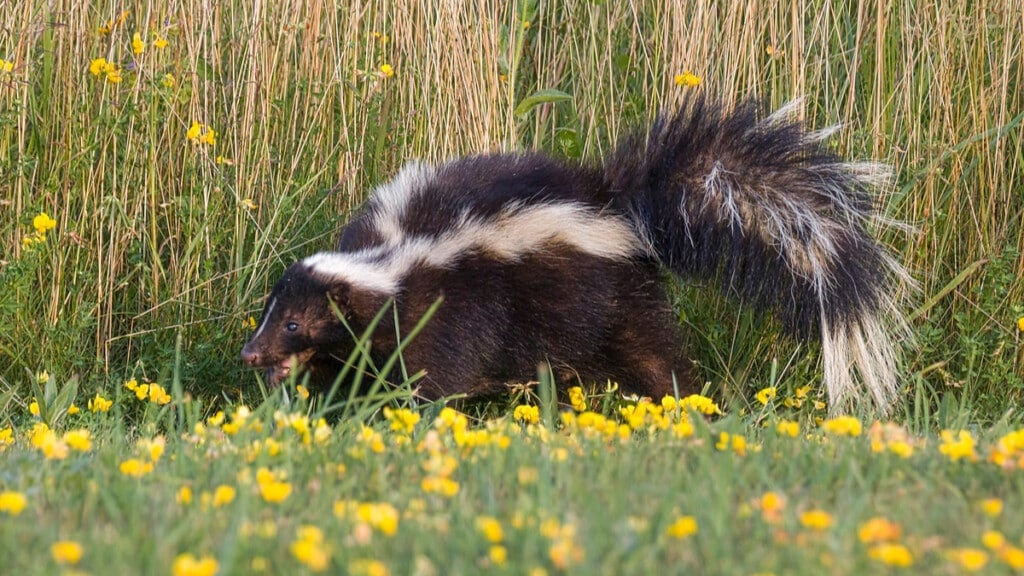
{"x":266,"y":318}
{"x":368,"y":275}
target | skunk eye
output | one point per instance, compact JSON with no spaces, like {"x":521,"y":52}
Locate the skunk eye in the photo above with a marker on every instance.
{"x":291,"y":326}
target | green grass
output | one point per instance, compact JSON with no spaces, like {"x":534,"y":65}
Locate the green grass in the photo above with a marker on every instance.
{"x":592,"y":495}
{"x":163,"y":247}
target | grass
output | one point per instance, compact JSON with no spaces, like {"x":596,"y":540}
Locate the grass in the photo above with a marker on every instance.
{"x":640,"y":488}
{"x":163,"y":246}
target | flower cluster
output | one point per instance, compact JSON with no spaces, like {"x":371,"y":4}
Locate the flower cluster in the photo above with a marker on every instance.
{"x":151,"y":392}
{"x":42,"y":223}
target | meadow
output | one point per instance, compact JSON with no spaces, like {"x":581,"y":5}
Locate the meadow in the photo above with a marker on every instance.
{"x":161,"y":163}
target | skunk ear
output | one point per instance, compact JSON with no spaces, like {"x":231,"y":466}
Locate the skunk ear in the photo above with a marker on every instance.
{"x":340,"y":293}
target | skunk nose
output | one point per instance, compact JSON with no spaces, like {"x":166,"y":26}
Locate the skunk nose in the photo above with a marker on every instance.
{"x":250,"y":357}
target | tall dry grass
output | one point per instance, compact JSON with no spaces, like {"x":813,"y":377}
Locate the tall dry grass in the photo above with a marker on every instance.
{"x":160,"y":238}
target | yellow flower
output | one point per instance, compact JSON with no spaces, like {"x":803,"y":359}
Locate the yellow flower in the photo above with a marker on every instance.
{"x":993,"y":540}
{"x":193,"y":131}
{"x":33,"y":408}
{"x":222,"y":495}
{"x":158,"y":395}
{"x":6,"y":437}
{"x":526,"y":414}
{"x":160,"y":43}
{"x":387,"y":70}
{"x":201,"y":134}
{"x":184,"y":495}
{"x":189,"y":565}
{"x":72,"y":410}
{"x":441,"y":485}
{"x":138,"y":46}
{"x":878,"y":529}
{"x":403,"y":420}
{"x":687,"y":79}
{"x":576,"y":399}
{"x":771,"y":504}
{"x":891,"y":554}
{"x":98,"y":66}
{"x":498,"y":555}
{"x":168,"y":80}
{"x":969,"y":559}
{"x":816,"y":519}
{"x":842,"y":426}
{"x":100,"y":404}
{"x":6,"y":66}
{"x":368,"y":568}
{"x":959,"y":446}
{"x":1020,"y":323}
{"x":701,"y":404}
{"x":490,"y":528}
{"x":736,"y":442}
{"x":114,"y":76}
{"x":153,"y":448}
{"x":66,"y":551}
{"x":992,"y":507}
{"x":272,"y":489}
{"x":309,"y":548}
{"x":136,"y":468}
{"x":1012,"y":556}
{"x":78,"y":439}
{"x":12,"y":503}
{"x":43,"y":223}
{"x":682,"y":527}
{"x":765,"y":395}
{"x":787,"y":428}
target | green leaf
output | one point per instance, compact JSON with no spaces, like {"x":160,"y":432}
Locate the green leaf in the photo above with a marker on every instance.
{"x":540,"y":97}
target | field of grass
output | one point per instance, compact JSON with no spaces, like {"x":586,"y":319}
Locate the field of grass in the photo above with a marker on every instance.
{"x":161,"y":163}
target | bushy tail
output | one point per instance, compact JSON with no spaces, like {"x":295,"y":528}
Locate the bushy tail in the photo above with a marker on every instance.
{"x":760,"y":205}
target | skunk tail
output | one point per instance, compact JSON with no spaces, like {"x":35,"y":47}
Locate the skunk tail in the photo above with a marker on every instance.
{"x":759,"y":205}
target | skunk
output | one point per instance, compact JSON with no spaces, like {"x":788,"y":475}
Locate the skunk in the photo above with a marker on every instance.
{"x":539,"y":260}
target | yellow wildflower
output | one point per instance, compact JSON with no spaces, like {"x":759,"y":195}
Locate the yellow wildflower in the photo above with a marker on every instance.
{"x":387,"y":70}
{"x":403,"y":421}
{"x":787,"y":428}
{"x":736,"y":442}
{"x":138,"y":46}
{"x":816,"y":519}
{"x":842,"y":426}
{"x":766,"y":395}
{"x":158,"y":395}
{"x":309,"y":548}
{"x":272,"y":488}
{"x":98,"y":66}
{"x":368,"y":568}
{"x":687,"y":79}
{"x":891,"y":554}
{"x":78,"y":439}
{"x":682,"y":527}
{"x":222,"y":495}
{"x":993,"y":539}
{"x":969,"y":559}
{"x":168,"y":80}
{"x":771,"y":504}
{"x":12,"y":503}
{"x":1020,"y":323}
{"x":189,"y":565}
{"x":66,"y":551}
{"x":6,"y":437}
{"x":184,"y":495}
{"x":992,"y":507}
{"x":526,"y":414}
{"x":959,"y":446}
{"x":498,"y":555}
{"x":136,"y":468}
{"x":43,"y":224}
{"x":160,"y":42}
{"x":490,"y":528}
{"x":33,"y":408}
{"x":879,"y":529}
{"x":6,"y":66}
{"x":701,"y":404}
{"x":1012,"y":556}
{"x":577,"y":399}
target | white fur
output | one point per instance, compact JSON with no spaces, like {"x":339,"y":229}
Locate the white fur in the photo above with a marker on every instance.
{"x":266,"y":316}
{"x":517,"y":231}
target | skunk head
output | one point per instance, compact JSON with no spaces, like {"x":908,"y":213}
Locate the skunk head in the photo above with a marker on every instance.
{"x":301,"y":329}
